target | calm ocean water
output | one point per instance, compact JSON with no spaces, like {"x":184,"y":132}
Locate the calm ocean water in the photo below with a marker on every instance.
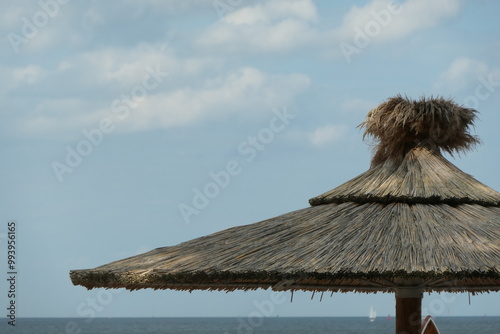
{"x":447,"y":325}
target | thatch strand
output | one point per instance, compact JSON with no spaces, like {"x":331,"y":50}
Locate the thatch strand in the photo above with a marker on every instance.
{"x":399,"y":124}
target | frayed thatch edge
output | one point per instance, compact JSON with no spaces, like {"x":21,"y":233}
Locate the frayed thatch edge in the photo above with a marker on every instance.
{"x":343,"y":281}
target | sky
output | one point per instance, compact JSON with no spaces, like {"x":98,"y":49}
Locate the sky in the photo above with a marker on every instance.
{"x":116,"y":114}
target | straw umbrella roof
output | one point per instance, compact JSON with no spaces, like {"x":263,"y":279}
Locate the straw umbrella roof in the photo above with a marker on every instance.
{"x":413,"y":219}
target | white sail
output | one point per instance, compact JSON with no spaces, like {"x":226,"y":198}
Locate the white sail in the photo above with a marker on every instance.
{"x":373,"y":314}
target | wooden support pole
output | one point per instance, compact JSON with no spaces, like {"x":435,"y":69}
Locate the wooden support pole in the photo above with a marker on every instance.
{"x":408,"y":311}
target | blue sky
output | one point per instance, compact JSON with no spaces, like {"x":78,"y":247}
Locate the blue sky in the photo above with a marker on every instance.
{"x":115,"y":114}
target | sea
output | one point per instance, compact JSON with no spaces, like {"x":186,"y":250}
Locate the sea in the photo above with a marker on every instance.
{"x":275,"y":325}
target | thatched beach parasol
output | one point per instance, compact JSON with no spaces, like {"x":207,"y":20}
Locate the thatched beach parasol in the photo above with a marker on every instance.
{"x":412,"y":223}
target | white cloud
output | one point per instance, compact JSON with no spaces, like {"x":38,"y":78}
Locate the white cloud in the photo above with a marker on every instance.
{"x":92,"y":18}
{"x":273,"y":11}
{"x":282,"y":26}
{"x":385,"y":20}
{"x":273,"y":26}
{"x":79,"y":91}
{"x":10,"y":16}
{"x":247,"y":16}
{"x":246,"y":91}
{"x":171,"y":6}
{"x":198,"y":87}
{"x":461,"y":74}
{"x":61,"y":115}
{"x":120,"y":66}
{"x":358,"y":106}
{"x":421,"y":14}
{"x":327,"y":134}
{"x":27,"y":75}
{"x":470,"y":81}
{"x":116,"y":70}
{"x":38,"y":26}
{"x":18,"y":77}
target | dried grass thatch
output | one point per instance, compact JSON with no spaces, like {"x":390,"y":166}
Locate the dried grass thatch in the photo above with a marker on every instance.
{"x":339,"y":247}
{"x":399,"y":124}
{"x":411,"y":220}
{"x":423,"y":176}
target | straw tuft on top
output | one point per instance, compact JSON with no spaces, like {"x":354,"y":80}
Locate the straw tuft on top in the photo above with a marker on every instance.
{"x":400,"y":124}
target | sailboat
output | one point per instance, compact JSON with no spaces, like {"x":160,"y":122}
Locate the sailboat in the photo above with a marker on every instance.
{"x":373,"y":314}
